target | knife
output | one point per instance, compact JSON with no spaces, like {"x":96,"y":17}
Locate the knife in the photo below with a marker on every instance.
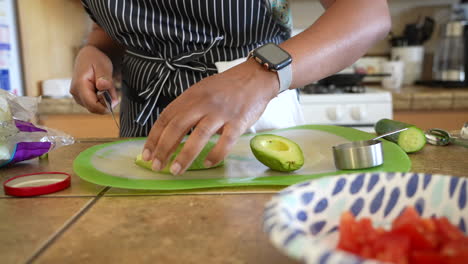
{"x":108,"y":101}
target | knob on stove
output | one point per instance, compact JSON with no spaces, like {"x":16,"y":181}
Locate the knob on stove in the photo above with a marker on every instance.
{"x":335,"y":113}
{"x":358,"y":113}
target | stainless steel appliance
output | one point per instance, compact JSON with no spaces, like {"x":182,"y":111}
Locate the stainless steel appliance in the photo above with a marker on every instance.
{"x":450,"y":65}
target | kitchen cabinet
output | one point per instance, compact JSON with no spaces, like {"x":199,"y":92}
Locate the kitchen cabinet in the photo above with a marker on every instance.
{"x":82,"y":125}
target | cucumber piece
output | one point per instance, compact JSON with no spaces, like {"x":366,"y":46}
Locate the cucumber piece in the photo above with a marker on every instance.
{"x":410,"y":140}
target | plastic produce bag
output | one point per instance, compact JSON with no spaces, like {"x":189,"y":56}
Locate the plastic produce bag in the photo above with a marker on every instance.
{"x":19,"y":138}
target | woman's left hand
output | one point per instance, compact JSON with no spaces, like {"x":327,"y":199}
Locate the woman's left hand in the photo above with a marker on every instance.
{"x":229,"y":103}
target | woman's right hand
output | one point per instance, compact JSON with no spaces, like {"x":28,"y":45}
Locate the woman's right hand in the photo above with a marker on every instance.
{"x":92,"y":73}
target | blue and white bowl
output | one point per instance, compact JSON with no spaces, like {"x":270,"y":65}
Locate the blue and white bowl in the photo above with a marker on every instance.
{"x":302,"y":220}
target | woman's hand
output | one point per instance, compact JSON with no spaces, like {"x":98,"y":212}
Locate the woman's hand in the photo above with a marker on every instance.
{"x":229,"y":102}
{"x":92,"y":73}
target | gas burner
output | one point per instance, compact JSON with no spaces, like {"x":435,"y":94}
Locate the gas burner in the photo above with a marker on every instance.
{"x":332,"y":89}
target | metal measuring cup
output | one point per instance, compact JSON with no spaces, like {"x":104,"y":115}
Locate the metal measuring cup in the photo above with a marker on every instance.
{"x":360,"y":154}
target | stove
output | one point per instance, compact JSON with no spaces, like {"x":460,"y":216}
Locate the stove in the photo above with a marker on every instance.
{"x":332,"y":89}
{"x":354,"y":106}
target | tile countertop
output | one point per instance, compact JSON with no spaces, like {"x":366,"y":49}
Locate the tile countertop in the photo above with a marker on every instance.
{"x":410,"y":98}
{"x":89,"y":223}
{"x":62,"y":106}
{"x":430,"y":98}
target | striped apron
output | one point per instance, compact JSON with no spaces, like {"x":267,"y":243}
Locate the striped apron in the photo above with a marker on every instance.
{"x":173,"y":44}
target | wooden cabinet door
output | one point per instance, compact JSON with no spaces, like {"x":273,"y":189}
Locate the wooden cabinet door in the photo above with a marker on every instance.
{"x":82,"y":125}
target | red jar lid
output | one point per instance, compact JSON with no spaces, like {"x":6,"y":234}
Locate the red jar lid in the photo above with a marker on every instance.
{"x":37,"y":184}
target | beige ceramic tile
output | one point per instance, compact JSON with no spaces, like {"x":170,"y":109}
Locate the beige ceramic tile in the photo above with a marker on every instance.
{"x":169,"y":229}
{"x":432,"y":101}
{"x":52,"y":106}
{"x":60,"y":160}
{"x":26,"y":224}
{"x":401,"y":101}
{"x":55,"y":106}
{"x":460,"y":101}
{"x":78,"y":109}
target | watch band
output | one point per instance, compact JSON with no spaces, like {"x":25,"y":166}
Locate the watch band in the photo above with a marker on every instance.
{"x":283,"y":69}
{"x":285,"y":78}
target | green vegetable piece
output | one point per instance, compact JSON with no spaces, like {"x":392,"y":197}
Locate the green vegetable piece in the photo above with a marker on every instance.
{"x":197,"y":164}
{"x":277,"y":152}
{"x":411,"y":140}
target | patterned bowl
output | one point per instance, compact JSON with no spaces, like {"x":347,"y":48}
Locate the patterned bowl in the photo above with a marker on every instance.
{"x":302,"y":220}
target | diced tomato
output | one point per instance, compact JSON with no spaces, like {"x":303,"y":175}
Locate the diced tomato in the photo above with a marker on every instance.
{"x":422,"y":232}
{"x":455,"y":252}
{"x":426,"y":257}
{"x":367,"y":252}
{"x":356,"y":234}
{"x":412,"y":240}
{"x":446,"y":231}
{"x":366,"y":233}
{"x":347,"y":240}
{"x":421,"y":239}
{"x":409,"y":215}
{"x":392,"y":248}
{"x":429,"y":224}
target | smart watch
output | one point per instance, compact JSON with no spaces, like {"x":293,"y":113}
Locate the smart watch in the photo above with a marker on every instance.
{"x":275,"y":59}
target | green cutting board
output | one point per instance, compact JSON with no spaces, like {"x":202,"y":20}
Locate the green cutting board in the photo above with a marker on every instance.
{"x":112,"y":164}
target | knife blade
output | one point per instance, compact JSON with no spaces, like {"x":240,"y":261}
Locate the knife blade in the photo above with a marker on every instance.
{"x":106,"y":97}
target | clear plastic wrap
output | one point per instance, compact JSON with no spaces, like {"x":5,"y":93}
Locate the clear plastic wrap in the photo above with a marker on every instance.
{"x":19,"y":138}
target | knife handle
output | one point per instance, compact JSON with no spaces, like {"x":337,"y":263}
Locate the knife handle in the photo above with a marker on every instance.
{"x":106,"y":96}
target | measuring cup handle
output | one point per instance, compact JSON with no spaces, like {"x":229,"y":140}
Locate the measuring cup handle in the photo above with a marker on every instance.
{"x":390,"y":133}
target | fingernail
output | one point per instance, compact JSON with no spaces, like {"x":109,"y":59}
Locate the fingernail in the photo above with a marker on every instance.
{"x":146,"y":155}
{"x":208,"y":163}
{"x":156,"y":165}
{"x":175,"y":168}
{"x":115,"y":103}
{"x":103,"y":78}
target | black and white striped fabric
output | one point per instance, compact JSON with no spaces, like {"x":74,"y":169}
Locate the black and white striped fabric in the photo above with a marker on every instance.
{"x":173,"y":44}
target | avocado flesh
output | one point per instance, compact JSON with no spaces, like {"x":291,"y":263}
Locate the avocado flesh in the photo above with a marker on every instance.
{"x":197,"y":164}
{"x":277,"y":152}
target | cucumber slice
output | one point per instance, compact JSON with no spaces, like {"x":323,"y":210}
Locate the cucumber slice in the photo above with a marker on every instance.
{"x":410,"y":140}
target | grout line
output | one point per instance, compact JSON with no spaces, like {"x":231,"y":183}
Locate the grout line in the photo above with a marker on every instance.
{"x":50,"y":197}
{"x":66,"y":226}
{"x":196,"y":193}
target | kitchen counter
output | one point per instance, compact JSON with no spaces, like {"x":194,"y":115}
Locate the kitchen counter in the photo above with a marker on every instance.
{"x":89,"y":223}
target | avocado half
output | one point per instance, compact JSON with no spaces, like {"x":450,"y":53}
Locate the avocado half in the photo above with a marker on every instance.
{"x":277,"y":152}
{"x":197,"y":164}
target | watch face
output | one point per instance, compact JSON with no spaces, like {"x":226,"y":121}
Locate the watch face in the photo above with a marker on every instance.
{"x":273,"y":55}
